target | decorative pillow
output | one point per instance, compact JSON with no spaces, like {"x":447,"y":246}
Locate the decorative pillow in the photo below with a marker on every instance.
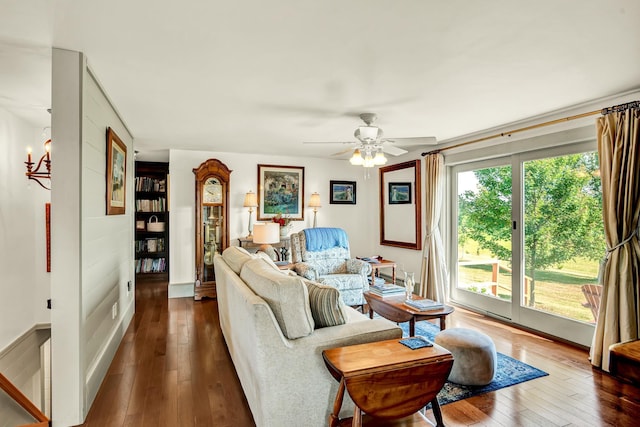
{"x":287,"y":296}
{"x":235,"y":257}
{"x":327,"y":307}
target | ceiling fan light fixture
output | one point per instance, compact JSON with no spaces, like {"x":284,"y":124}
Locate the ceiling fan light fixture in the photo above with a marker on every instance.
{"x":356,"y":159}
{"x":379,"y":158}
{"x":368,"y":134}
{"x":368,"y":160}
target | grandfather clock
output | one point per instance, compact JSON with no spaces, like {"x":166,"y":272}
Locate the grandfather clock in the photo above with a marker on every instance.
{"x":212,"y":220}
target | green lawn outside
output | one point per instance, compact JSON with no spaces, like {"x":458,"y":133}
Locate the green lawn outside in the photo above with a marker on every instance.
{"x":557,"y":291}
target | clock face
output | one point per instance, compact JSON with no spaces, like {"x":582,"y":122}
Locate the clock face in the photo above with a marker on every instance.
{"x":212,"y":191}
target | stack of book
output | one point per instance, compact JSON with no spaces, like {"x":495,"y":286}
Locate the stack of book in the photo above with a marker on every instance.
{"x":386,"y":290}
{"x":424,"y":304}
{"x":379,"y":281}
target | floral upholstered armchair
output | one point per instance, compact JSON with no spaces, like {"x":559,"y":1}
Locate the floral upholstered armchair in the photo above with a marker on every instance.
{"x":322,"y":254}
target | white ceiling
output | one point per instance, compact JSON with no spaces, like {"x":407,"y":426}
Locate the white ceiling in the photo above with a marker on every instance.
{"x":264,"y":76}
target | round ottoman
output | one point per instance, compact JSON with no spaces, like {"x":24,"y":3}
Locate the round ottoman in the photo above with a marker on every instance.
{"x":474,"y":355}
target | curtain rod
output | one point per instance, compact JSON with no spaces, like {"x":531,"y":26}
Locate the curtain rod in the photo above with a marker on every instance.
{"x":604,"y":111}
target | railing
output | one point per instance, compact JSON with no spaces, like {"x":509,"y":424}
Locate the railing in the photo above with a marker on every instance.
{"x":495,"y":269}
{"x":25,"y":403}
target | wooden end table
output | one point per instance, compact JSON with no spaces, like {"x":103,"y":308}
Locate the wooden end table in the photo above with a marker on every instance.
{"x":382,"y":263}
{"x":288,"y":266}
{"x":393,"y":308}
{"x":388,"y":380}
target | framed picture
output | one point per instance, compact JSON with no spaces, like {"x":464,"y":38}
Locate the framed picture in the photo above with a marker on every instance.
{"x":399,"y":193}
{"x":47,"y":224}
{"x":280,"y":191}
{"x":342,"y":192}
{"x":116,"y":174}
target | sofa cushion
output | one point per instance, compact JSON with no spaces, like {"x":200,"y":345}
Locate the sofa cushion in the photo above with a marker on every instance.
{"x":235,"y":257}
{"x":286,"y":295}
{"x":267,"y":259}
{"x":327,"y":307}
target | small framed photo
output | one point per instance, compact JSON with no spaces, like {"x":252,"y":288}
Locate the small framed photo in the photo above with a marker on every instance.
{"x":116,"y":174}
{"x":399,"y":193}
{"x":342,"y":192}
{"x":280,"y":191}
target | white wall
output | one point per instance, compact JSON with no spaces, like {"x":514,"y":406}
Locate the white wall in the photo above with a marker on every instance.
{"x":24,"y":282}
{"x":361,"y":221}
{"x":92,"y":253}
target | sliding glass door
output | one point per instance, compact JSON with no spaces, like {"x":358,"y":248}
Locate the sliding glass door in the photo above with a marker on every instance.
{"x":527,"y":238}
{"x":483,"y":233}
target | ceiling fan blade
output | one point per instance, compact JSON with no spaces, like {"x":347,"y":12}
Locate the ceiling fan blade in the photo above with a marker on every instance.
{"x":328,"y":142}
{"x":393,"y":150}
{"x":340,"y":153}
{"x":418,"y":140}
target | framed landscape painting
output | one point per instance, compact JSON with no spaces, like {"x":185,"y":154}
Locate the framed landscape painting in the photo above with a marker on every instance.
{"x":280,"y":192}
{"x":399,"y":193}
{"x":342,"y":192}
{"x":116,"y":174}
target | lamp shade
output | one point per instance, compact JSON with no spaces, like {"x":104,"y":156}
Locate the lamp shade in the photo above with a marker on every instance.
{"x":379,"y":158}
{"x":266,"y":232}
{"x":356,"y":159}
{"x":250,"y":200}
{"x":314,"y":202}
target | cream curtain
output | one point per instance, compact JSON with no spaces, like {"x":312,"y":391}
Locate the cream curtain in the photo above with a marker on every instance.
{"x":434,"y":278}
{"x":619,"y":150}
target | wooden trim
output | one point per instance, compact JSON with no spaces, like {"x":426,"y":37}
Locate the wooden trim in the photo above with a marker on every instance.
{"x":384,"y":240}
{"x":37,"y":424}
{"x":23,"y":401}
{"x":511,"y":132}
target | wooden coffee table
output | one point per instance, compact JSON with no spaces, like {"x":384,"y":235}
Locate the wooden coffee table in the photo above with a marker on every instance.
{"x":393,"y":308}
{"x":388,"y":380}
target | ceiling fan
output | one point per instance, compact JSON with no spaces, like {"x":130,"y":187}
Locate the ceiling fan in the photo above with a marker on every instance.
{"x":370,"y":145}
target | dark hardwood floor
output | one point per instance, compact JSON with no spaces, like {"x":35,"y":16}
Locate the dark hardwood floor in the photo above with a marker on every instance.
{"x":173,"y":369}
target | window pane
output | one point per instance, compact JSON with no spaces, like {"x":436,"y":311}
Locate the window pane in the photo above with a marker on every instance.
{"x":563,"y":233}
{"x":484,"y":231}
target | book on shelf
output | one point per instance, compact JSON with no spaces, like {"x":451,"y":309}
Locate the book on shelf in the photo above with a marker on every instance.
{"x":386,"y":289}
{"x":148,"y":184}
{"x":424,"y":304}
{"x":150,"y":245}
{"x":151,"y":265}
{"x":151,"y":205}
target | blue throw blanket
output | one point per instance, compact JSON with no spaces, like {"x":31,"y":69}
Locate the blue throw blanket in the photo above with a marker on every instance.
{"x":321,"y":238}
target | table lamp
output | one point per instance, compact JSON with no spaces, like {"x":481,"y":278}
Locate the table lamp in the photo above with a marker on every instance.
{"x":250,"y":202}
{"x":314,"y":203}
{"x":266,"y":233}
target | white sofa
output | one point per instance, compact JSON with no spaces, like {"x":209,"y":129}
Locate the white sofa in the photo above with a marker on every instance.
{"x":284,"y":379}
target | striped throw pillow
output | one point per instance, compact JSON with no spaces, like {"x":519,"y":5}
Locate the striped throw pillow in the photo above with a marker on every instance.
{"x":326,"y":305}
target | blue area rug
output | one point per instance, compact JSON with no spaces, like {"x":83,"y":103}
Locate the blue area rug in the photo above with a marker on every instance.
{"x":510,"y":371}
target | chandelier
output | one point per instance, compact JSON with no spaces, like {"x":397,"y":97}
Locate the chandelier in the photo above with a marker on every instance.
{"x":369,"y":151}
{"x":44,"y":163}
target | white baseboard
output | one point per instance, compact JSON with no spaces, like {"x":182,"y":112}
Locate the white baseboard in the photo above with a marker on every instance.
{"x":98,"y":370}
{"x":181,"y":290}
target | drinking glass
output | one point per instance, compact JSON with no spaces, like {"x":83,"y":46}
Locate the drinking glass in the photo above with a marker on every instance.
{"x":409,"y":282}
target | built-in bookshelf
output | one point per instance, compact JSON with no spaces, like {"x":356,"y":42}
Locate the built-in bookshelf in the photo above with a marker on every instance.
{"x":152,"y":220}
